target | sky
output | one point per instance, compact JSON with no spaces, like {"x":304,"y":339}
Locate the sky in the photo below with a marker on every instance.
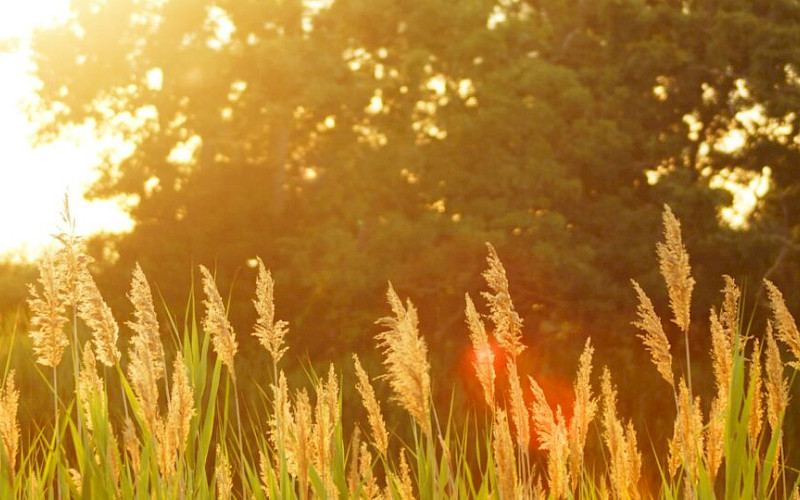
{"x":34,"y":179}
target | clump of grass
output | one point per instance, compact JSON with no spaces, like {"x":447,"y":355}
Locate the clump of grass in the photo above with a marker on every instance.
{"x":178,"y":440}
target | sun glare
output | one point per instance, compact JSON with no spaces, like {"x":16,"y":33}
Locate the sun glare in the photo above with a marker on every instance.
{"x":33,"y":180}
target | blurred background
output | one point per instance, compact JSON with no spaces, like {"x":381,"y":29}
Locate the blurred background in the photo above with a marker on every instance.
{"x":353,"y":142}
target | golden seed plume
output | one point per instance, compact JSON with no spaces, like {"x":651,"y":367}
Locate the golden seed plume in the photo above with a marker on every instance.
{"x":370,"y":489}
{"x":299,"y":445}
{"x":777,"y":387}
{"x":757,"y":404}
{"x":145,"y":323}
{"x":77,"y":480}
{"x":143,"y":380}
{"x":406,"y":488}
{"x":90,"y":386}
{"x":721,"y":356}
{"x":584,"y":410}
{"x":654,"y":338}
{"x":784,"y":322}
{"x":519,"y":413}
{"x":633,"y":459}
{"x":48,"y":315}
{"x":374,"y":414}
{"x":553,"y":437}
{"x":94,"y":311}
{"x":505,"y":461}
{"x":326,"y":416}
{"x":265,"y":472}
{"x":624,"y":456}
{"x":112,"y":454}
{"x":686,"y":445}
{"x":406,"y":360}
{"x":181,"y":409}
{"x":674,"y":263}
{"x":132,"y":445}
{"x":507,"y":323}
{"x":70,"y":258}
{"x":729,"y":316}
{"x":9,"y":421}
{"x":353,"y":477}
{"x":484,"y":355}
{"x":777,"y":395}
{"x":281,"y":419}
{"x":557,"y":460}
{"x":270,"y":332}
{"x":222,"y":471}
{"x":216,"y":323}
{"x":715,"y":437}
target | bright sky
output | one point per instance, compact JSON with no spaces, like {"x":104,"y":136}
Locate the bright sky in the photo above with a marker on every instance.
{"x":33,"y":180}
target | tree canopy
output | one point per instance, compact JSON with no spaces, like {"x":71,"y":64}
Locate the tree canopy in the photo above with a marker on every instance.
{"x":355,"y":141}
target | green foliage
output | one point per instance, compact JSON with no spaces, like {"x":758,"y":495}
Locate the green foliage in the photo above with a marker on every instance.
{"x":537,"y":133}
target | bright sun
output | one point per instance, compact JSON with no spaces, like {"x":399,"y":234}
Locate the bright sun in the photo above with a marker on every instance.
{"x":33,"y":180}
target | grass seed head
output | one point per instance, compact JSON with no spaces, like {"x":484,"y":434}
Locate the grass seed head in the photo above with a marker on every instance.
{"x":715,"y":437}
{"x":374,"y":415}
{"x":624,"y":458}
{"x":507,"y":323}
{"x":94,"y":311}
{"x":90,"y":386}
{"x":370,"y":488}
{"x":216,"y":324}
{"x":145,"y":323}
{"x":687,"y":440}
{"x":519,"y":413}
{"x":71,"y":258}
{"x":756,"y":420}
{"x":270,"y":333}
{"x":132,"y":445}
{"x":222,"y":471}
{"x":654,"y":338}
{"x":505,"y":461}
{"x":484,"y":355}
{"x":181,"y":406}
{"x":553,"y":437}
{"x":406,"y":488}
{"x":48,"y":315}
{"x":777,"y":386}
{"x":721,"y":355}
{"x":584,"y":410}
{"x":281,"y":420}
{"x":300,"y":443}
{"x":784,"y":322}
{"x":326,"y":417}
{"x":9,"y":421}
{"x":406,"y":360}
{"x":143,"y":380}
{"x":265,"y":472}
{"x":674,"y":263}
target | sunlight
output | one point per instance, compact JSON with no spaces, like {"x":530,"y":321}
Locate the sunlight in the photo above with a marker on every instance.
{"x":33,"y":180}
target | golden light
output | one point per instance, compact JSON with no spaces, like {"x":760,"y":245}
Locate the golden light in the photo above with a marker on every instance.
{"x":33,"y":180}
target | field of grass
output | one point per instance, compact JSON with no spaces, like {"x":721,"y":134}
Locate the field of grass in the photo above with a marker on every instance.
{"x":177,"y":429}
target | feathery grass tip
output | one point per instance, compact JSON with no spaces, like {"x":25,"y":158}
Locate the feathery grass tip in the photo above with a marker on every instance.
{"x":216,"y":324}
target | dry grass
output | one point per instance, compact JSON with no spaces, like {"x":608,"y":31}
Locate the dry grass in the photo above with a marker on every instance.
{"x":216,"y":324}
{"x":376,"y":423}
{"x":9,"y":423}
{"x":187,"y":442}
{"x":406,"y":360}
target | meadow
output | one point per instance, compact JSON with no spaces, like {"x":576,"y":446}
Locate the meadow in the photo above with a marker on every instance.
{"x":165,"y":420}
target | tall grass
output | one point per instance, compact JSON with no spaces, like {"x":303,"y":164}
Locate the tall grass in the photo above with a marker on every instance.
{"x":180,"y":432}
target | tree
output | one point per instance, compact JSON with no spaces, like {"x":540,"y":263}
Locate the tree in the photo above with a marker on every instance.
{"x":368,"y":140}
